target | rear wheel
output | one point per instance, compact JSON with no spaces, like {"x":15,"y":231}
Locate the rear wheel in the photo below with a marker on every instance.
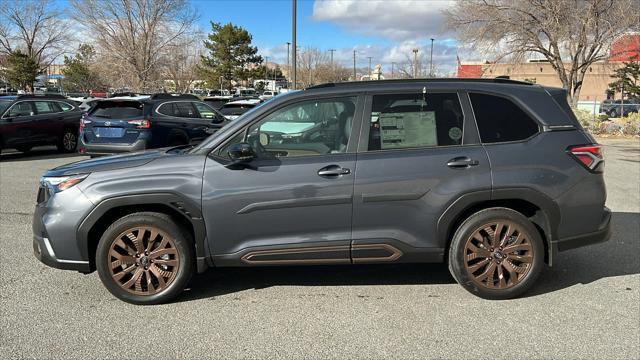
{"x":496,"y":253}
{"x":68,"y":141}
{"x":145,"y":258}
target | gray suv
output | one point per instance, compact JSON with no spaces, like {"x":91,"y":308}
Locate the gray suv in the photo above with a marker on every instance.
{"x":493,"y":177}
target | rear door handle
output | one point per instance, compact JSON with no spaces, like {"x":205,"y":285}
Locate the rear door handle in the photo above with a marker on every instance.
{"x":333,"y":171}
{"x":461,"y":162}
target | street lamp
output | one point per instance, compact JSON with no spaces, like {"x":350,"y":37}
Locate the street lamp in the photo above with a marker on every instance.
{"x":354,"y":65}
{"x":369,"y":57}
{"x":288,"y":65}
{"x":415,"y":63}
{"x":431,"y":60}
{"x":293,"y":41}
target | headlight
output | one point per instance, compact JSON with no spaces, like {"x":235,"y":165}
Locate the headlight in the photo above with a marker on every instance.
{"x":60,"y":183}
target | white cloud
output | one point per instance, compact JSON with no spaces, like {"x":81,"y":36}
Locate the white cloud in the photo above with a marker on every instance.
{"x":396,"y":20}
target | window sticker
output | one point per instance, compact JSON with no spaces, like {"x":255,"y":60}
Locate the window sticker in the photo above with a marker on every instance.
{"x":408,"y":129}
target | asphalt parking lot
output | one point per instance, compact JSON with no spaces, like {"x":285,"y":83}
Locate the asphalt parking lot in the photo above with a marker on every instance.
{"x":588,"y":306}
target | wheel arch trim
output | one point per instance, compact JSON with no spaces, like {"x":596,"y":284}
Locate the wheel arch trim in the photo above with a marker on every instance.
{"x":548,"y":218}
{"x":189,"y":211}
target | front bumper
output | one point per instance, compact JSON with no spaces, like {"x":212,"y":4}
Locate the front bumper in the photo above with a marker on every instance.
{"x":109,"y":149}
{"x":601,"y":235}
{"x":44,"y":252}
{"x":55,"y":222}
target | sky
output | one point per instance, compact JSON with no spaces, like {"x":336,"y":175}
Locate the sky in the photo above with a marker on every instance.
{"x":387,"y":30}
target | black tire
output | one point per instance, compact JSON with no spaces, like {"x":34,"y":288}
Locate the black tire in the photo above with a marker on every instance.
{"x":502,"y":283}
{"x":181,"y":244}
{"x":24,"y":148}
{"x":68,"y":141}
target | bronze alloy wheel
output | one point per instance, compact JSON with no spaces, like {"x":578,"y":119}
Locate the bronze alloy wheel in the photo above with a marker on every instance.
{"x":498,"y":255}
{"x":144,"y":260}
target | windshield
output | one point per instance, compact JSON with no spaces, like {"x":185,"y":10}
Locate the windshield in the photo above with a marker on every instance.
{"x":4,"y":104}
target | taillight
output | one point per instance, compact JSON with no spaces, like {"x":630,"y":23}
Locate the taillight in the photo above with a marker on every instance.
{"x":84,"y":121}
{"x":140,"y":124}
{"x":591,"y":156}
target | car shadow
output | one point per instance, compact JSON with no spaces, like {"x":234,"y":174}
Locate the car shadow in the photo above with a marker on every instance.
{"x":617,"y":257}
{"x":37,"y":153}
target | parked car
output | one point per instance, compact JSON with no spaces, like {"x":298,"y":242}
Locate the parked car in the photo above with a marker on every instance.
{"x":86,"y":102}
{"x":33,"y":120}
{"x":461,"y":171}
{"x":614,"y":108}
{"x":136,"y":123}
{"x":216,"y":102}
{"x":223,"y":92}
{"x":240,"y":92}
{"x":268,"y":95}
{"x":233,"y":109}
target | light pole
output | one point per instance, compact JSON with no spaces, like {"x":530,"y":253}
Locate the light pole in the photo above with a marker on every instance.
{"x":369,"y":57}
{"x":288,"y":64}
{"x":431,"y":60}
{"x":293,"y":42}
{"x":266,"y":67}
{"x":332,"y":69}
{"x":354,"y":65}
{"x":415,"y":63}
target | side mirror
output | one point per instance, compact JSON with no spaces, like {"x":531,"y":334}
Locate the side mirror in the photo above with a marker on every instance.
{"x":217,"y":119}
{"x":241,"y":153}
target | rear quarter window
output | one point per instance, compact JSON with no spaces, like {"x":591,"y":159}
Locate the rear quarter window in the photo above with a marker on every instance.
{"x":117,"y":109}
{"x":501,"y":120}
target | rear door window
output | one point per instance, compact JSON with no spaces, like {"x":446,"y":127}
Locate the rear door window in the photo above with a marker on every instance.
{"x":415,"y":120}
{"x":500,"y":120}
{"x":117,"y":109}
{"x":186,"y":110}
{"x":46,"y":107}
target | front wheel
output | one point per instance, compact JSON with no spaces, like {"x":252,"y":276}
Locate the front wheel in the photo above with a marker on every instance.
{"x":496,"y":253}
{"x":145,"y":258}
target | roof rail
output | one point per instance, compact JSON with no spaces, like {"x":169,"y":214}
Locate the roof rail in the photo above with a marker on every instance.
{"x":165,"y":96}
{"x":500,"y":79}
{"x":41,"y":96}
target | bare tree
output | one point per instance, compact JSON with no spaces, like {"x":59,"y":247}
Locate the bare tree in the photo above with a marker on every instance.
{"x":36,"y":28}
{"x":180,"y":63}
{"x":134,"y":35}
{"x":570,"y":34}
{"x":314,"y":67}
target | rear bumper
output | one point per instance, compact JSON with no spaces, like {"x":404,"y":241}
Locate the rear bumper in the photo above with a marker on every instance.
{"x":601,"y":235}
{"x":108,"y":149}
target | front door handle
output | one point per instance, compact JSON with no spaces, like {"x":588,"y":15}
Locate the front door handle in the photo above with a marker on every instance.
{"x":333,"y":171}
{"x":461,"y":162}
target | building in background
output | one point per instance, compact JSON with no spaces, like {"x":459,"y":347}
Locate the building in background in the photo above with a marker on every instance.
{"x":596,"y":80}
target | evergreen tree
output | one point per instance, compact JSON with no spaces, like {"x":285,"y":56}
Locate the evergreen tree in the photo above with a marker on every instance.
{"x":20,"y":70}
{"x":629,"y":76}
{"x":78,"y":75}
{"x":230,"y":55}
